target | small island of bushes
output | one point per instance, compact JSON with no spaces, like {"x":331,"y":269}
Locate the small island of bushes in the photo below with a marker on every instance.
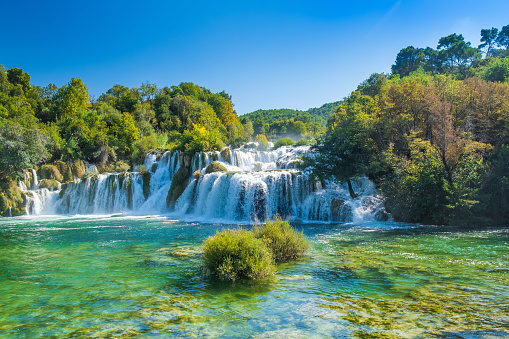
{"x":242,"y":254}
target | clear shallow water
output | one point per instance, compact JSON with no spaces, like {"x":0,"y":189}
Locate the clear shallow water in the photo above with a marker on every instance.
{"x":141,"y":277}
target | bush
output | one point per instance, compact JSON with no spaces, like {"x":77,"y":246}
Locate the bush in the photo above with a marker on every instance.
{"x":215,"y":166}
{"x":197,"y":175}
{"x":263,"y":143}
{"x":283,"y":142}
{"x":237,"y":254}
{"x":303,"y":142}
{"x":285,"y":243}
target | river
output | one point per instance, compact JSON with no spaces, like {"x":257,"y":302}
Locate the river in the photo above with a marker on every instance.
{"x":141,"y":276}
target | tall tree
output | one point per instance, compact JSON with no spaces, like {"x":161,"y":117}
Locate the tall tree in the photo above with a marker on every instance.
{"x":71,"y":98}
{"x":488,"y":39}
{"x":503,"y":37}
{"x":409,"y":59}
{"x":456,"y":53}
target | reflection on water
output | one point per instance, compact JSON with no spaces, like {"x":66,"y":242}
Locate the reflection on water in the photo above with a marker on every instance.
{"x":141,"y":277}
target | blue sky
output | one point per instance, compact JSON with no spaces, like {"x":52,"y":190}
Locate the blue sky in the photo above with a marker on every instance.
{"x":266,"y":54}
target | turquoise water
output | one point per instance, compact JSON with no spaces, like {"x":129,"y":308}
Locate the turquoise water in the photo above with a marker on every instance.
{"x":141,"y":277}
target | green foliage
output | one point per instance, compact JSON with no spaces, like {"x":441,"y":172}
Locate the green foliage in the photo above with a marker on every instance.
{"x":12,"y":201}
{"x":418,"y":190}
{"x":284,"y":242}
{"x":200,"y":139}
{"x":283,"y":142}
{"x":215,"y":166}
{"x":145,"y":145}
{"x":497,"y":70}
{"x":237,"y":254}
{"x":71,"y":98}
{"x":20,"y":148}
{"x":303,"y":142}
{"x":263,"y":143}
{"x":125,"y":134}
{"x":347,"y":150}
{"x":496,"y":188}
{"x":290,"y":123}
{"x":40,"y":125}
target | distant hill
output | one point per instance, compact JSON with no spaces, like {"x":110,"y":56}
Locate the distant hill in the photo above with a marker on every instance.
{"x":270,"y":116}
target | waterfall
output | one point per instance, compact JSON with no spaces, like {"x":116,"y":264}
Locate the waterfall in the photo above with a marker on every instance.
{"x":256,"y":186}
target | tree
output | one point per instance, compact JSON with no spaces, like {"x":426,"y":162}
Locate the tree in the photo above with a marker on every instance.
{"x":20,"y":148}
{"x":409,"y":59}
{"x":417,"y":189}
{"x":348,"y":148}
{"x":503,"y":37}
{"x":497,"y":70}
{"x":488,"y":39}
{"x":71,"y":98}
{"x":148,"y":91}
{"x":16,"y":76}
{"x":125,"y":133}
{"x":262,"y":141}
{"x":456,"y":53}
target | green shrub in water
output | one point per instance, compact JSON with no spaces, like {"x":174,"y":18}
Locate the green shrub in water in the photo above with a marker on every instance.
{"x":303,"y":142}
{"x":237,"y":254}
{"x":283,"y":142}
{"x":284,"y":242}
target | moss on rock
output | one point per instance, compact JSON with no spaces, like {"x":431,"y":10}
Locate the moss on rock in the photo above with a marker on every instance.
{"x":146,"y":183}
{"x":64,"y":170}
{"x":12,"y":200}
{"x":226,"y":154}
{"x":178,"y":185}
{"x":78,"y":168}
{"x":215,"y":166}
{"x":50,"y":184}
{"x":50,"y":172}
{"x":63,"y":188}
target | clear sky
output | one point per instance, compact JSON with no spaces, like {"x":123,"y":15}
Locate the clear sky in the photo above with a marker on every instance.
{"x":266,"y":54}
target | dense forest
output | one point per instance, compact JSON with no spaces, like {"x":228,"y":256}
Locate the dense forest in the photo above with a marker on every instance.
{"x":433,"y":135}
{"x":290,"y":123}
{"x":59,"y":130}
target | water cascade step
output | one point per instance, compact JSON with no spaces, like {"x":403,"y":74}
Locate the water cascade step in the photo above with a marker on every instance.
{"x":256,"y":185}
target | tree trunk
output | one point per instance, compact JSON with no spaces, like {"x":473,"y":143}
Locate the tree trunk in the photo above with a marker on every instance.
{"x":350,"y":189}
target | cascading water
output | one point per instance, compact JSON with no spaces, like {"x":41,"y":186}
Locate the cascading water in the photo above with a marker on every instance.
{"x":38,"y":200}
{"x":256,"y":186}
